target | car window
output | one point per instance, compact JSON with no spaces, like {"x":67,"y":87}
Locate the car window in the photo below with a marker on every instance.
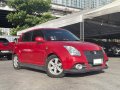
{"x":59,"y":35}
{"x":37,"y":33}
{"x":3,"y":40}
{"x":27,"y":37}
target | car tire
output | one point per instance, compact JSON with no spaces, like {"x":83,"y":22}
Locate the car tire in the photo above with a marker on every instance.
{"x":16,"y":63}
{"x":54,"y":67}
{"x":115,"y":51}
{"x":9,"y":57}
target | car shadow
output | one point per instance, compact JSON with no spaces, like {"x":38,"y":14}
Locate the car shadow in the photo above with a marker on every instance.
{"x":1,"y":59}
{"x":84,"y":74}
{"x":113,"y":56}
{"x":67,"y":75}
{"x":34,"y":70}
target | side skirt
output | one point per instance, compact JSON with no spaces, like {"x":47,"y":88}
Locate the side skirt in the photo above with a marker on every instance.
{"x":42,"y":68}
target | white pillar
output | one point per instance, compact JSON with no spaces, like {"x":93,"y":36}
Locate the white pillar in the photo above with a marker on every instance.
{"x":81,"y":28}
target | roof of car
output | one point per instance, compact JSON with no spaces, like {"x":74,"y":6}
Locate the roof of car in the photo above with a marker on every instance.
{"x":44,"y":29}
{"x":47,"y":28}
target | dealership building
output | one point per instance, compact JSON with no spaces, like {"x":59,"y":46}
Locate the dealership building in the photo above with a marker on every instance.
{"x":63,"y":7}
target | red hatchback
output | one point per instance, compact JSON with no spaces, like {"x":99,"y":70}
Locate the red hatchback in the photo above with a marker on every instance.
{"x":57,"y":52}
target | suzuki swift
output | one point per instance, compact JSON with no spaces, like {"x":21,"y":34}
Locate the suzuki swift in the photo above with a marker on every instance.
{"x":57,"y":51}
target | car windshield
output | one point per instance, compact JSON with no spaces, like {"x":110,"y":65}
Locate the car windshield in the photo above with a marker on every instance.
{"x":59,"y":35}
{"x":3,"y":40}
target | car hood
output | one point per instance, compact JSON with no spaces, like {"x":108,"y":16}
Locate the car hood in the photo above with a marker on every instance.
{"x":78,"y":45}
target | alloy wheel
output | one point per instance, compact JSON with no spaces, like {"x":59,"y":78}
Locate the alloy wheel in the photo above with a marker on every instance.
{"x":55,"y":66}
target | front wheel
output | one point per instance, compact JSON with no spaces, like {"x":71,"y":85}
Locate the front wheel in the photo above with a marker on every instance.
{"x":16,"y":63}
{"x":54,"y":67}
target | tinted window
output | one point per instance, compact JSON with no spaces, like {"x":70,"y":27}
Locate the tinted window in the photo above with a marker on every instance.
{"x":3,"y":40}
{"x":27,"y":37}
{"x":37,"y":33}
{"x":59,"y":35}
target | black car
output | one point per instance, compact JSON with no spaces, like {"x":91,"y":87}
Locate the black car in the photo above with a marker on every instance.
{"x":111,"y":48}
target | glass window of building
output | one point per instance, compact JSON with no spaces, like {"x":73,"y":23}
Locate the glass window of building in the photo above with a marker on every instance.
{"x":82,"y":4}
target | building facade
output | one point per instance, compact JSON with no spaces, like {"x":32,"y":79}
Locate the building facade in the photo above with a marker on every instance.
{"x":63,"y":7}
{"x":82,"y":4}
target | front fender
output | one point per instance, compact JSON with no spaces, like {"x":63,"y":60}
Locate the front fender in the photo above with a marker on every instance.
{"x":62,"y":54}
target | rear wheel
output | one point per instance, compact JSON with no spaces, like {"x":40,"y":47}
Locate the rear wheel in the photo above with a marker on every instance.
{"x":54,"y":67}
{"x":16,"y":63}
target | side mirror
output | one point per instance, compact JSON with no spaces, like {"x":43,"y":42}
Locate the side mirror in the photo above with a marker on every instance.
{"x":39,"y":39}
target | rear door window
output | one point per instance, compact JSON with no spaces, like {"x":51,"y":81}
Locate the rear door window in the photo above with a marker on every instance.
{"x":27,"y":37}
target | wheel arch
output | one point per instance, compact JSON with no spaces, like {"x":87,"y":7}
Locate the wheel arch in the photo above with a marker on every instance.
{"x":53,"y":53}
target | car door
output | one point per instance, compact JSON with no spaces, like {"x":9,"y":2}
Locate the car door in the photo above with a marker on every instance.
{"x":25,"y":47}
{"x":38,"y":49}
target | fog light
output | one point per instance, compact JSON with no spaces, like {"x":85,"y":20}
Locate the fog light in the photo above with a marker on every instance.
{"x":78,"y":66}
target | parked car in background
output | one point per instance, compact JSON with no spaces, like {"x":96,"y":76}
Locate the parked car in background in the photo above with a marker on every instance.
{"x":111,"y":48}
{"x":57,"y":52}
{"x":6,"y":48}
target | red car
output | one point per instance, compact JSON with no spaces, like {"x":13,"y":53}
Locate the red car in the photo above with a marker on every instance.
{"x":5,"y":49}
{"x":57,"y":52}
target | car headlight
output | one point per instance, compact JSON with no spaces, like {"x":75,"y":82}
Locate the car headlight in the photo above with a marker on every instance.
{"x":72,"y":50}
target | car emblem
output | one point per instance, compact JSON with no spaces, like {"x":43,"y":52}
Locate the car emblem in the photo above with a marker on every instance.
{"x":95,"y":52}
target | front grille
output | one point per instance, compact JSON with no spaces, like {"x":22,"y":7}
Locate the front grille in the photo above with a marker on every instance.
{"x":91,"y":55}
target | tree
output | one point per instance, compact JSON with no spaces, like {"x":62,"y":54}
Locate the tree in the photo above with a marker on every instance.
{"x":28,"y":13}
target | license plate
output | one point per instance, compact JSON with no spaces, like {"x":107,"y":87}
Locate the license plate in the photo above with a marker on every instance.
{"x":97,"y":61}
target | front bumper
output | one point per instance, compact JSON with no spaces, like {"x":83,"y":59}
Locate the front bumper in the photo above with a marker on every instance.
{"x":5,"y":54}
{"x":85,"y":70}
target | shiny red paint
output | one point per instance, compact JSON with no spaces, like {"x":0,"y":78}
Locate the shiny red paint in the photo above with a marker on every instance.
{"x":6,"y":49}
{"x":8,"y":46}
{"x":36,"y":53}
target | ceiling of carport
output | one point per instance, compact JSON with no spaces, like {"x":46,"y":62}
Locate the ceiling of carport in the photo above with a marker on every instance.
{"x":113,"y":19}
{"x":107,"y":26}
